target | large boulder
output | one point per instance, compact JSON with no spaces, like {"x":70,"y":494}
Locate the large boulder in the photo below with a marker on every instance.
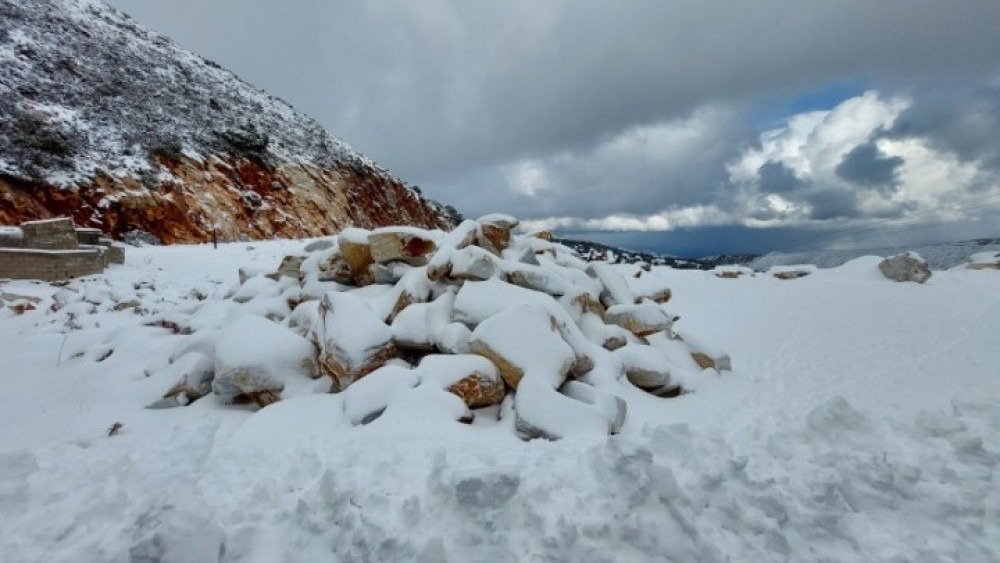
{"x":357,"y":253}
{"x":255,"y":358}
{"x":494,"y":232}
{"x":353,"y":339}
{"x":641,"y":320}
{"x":645,"y":367}
{"x":905,"y":267}
{"x":525,"y":345}
{"x":462,"y":236}
{"x":193,"y":373}
{"x":401,"y":244}
{"x":616,"y":290}
{"x":368,"y":398}
{"x":523,"y":338}
{"x":420,"y":326}
{"x":289,"y":267}
{"x":473,"y":378}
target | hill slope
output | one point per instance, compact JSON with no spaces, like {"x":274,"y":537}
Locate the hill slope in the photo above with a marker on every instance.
{"x":122,"y":129}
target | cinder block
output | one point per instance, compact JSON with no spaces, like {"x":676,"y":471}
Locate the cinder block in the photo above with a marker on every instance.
{"x":50,"y":234}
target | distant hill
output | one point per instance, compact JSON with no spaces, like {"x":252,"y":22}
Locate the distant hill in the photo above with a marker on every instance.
{"x":939,"y":256}
{"x":120,"y":128}
{"x":592,"y":251}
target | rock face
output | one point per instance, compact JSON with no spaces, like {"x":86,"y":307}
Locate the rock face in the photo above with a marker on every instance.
{"x":120,"y":129}
{"x":908,"y":266}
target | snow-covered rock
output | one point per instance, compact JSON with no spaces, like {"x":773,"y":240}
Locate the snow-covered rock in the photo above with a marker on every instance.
{"x":255,"y":358}
{"x":193,"y":373}
{"x":422,"y":326}
{"x":356,"y":251}
{"x":908,"y":266}
{"x":520,"y":339}
{"x":475,"y":379}
{"x":494,"y":232}
{"x":983,"y":261}
{"x":645,"y":366}
{"x":289,"y":267}
{"x":368,"y":398}
{"x":390,"y":244}
{"x":641,"y":320}
{"x":353,"y":340}
{"x":616,"y":290}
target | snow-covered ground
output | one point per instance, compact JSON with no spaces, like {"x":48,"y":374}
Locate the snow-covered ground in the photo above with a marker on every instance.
{"x":861,"y":422}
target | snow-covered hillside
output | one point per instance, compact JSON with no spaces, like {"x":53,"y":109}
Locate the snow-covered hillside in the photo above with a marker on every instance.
{"x":81,"y":74}
{"x":860,"y":423}
{"x":122,"y":129}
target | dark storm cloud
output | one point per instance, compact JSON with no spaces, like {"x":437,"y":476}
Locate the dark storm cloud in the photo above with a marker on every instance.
{"x":832,"y":204}
{"x":588,"y":109}
{"x":961,"y":118}
{"x":777,"y":178}
{"x":868,"y":166}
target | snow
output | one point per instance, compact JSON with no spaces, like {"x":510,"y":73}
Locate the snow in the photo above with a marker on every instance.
{"x":860,"y":423}
{"x":445,"y":371}
{"x":498,"y":219}
{"x":354,"y":235}
{"x":423,"y":325}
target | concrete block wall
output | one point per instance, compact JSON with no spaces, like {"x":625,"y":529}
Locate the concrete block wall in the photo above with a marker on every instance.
{"x":54,"y":249}
{"x":89,"y":236}
{"x":27,"y":263}
{"x":50,"y":234}
{"x":10,"y":238}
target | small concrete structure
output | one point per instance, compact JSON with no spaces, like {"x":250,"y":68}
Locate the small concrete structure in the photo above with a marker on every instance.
{"x":53,"y":249}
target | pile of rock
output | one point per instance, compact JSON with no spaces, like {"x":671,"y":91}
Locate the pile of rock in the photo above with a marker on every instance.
{"x":479,"y":314}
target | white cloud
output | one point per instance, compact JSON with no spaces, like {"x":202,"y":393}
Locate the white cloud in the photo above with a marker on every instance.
{"x":694,"y":216}
{"x":929,"y":182}
{"x":812,"y":144}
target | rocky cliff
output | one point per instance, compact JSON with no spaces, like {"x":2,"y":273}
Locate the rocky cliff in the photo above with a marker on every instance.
{"x":121,"y":129}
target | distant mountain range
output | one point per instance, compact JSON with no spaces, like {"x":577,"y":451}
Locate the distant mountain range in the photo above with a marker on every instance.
{"x":121,"y":129}
{"x":939,"y":256}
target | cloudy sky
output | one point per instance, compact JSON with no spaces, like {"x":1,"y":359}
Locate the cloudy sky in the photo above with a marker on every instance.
{"x":682,"y":126}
